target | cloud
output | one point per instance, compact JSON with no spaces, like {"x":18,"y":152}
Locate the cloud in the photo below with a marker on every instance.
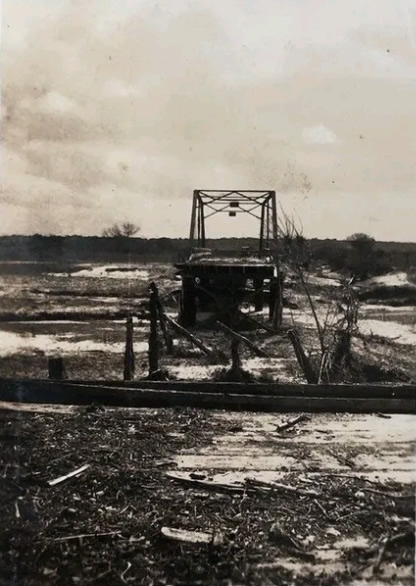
{"x":319,"y":134}
{"x":122,"y":109}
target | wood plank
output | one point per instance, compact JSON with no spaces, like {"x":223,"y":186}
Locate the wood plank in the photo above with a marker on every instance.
{"x":66,"y":393}
{"x":394,"y":391}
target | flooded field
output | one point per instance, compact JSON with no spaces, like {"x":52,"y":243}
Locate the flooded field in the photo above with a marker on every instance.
{"x":77,"y":312}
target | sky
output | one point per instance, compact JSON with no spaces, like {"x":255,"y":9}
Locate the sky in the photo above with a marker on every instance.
{"x":116,"y":110}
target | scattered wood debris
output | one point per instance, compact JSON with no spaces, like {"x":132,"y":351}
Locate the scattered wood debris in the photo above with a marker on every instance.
{"x":106,"y":527}
{"x":249,"y":485}
{"x":281,"y":537}
{"x":76,"y":472}
{"x":292,"y":423}
{"x":187,"y":536}
{"x":184,"y":478}
{"x":255,"y":484}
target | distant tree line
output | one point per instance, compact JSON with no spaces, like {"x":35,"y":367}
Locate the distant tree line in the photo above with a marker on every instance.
{"x":360,"y":254}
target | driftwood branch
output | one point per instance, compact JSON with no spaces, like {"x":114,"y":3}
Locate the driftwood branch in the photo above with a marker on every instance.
{"x":263,"y":485}
{"x":193,"y":339}
{"x":249,"y":485}
{"x":292,"y":423}
{"x":391,"y":495}
{"x":68,"y":476}
{"x":84,"y":535}
{"x":253,"y":347}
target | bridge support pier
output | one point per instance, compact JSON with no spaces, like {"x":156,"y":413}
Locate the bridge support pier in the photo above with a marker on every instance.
{"x":187,"y":317}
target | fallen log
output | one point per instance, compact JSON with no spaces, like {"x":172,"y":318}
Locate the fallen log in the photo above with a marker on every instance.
{"x":253,"y":347}
{"x":193,"y":339}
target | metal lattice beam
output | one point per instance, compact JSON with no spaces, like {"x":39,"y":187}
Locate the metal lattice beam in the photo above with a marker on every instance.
{"x":208,"y":202}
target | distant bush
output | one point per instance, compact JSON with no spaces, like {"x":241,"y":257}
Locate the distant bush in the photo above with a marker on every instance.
{"x":359,"y":255}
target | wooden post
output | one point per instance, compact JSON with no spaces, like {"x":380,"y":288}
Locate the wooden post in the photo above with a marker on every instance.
{"x":278,"y":300}
{"x":153,"y":338}
{"x":274,"y":285}
{"x":303,"y":360}
{"x":188,"y":310}
{"x":162,"y":319}
{"x":56,"y":368}
{"x":235,"y":356}
{"x":258,"y":294}
{"x":129,"y":363}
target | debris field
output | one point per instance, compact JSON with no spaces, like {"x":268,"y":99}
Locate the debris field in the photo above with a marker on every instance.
{"x":181,"y":496}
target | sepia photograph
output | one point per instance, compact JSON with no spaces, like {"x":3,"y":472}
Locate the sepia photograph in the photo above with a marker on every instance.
{"x":208,"y":293}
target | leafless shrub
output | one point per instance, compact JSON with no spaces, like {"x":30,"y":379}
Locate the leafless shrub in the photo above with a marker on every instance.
{"x":335,"y":332}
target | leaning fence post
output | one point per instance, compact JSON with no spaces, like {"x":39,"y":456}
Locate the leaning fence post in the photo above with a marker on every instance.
{"x":56,"y":368}
{"x":303,"y":360}
{"x":162,"y":319}
{"x":153,"y":340}
{"x":129,"y":365}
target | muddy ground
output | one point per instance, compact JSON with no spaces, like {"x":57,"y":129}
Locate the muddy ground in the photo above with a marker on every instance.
{"x":77,"y":312}
{"x":105,"y":525}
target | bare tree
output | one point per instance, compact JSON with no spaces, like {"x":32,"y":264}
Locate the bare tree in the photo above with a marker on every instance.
{"x":334,"y":335}
{"x":293,"y":251}
{"x":124,"y":230}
